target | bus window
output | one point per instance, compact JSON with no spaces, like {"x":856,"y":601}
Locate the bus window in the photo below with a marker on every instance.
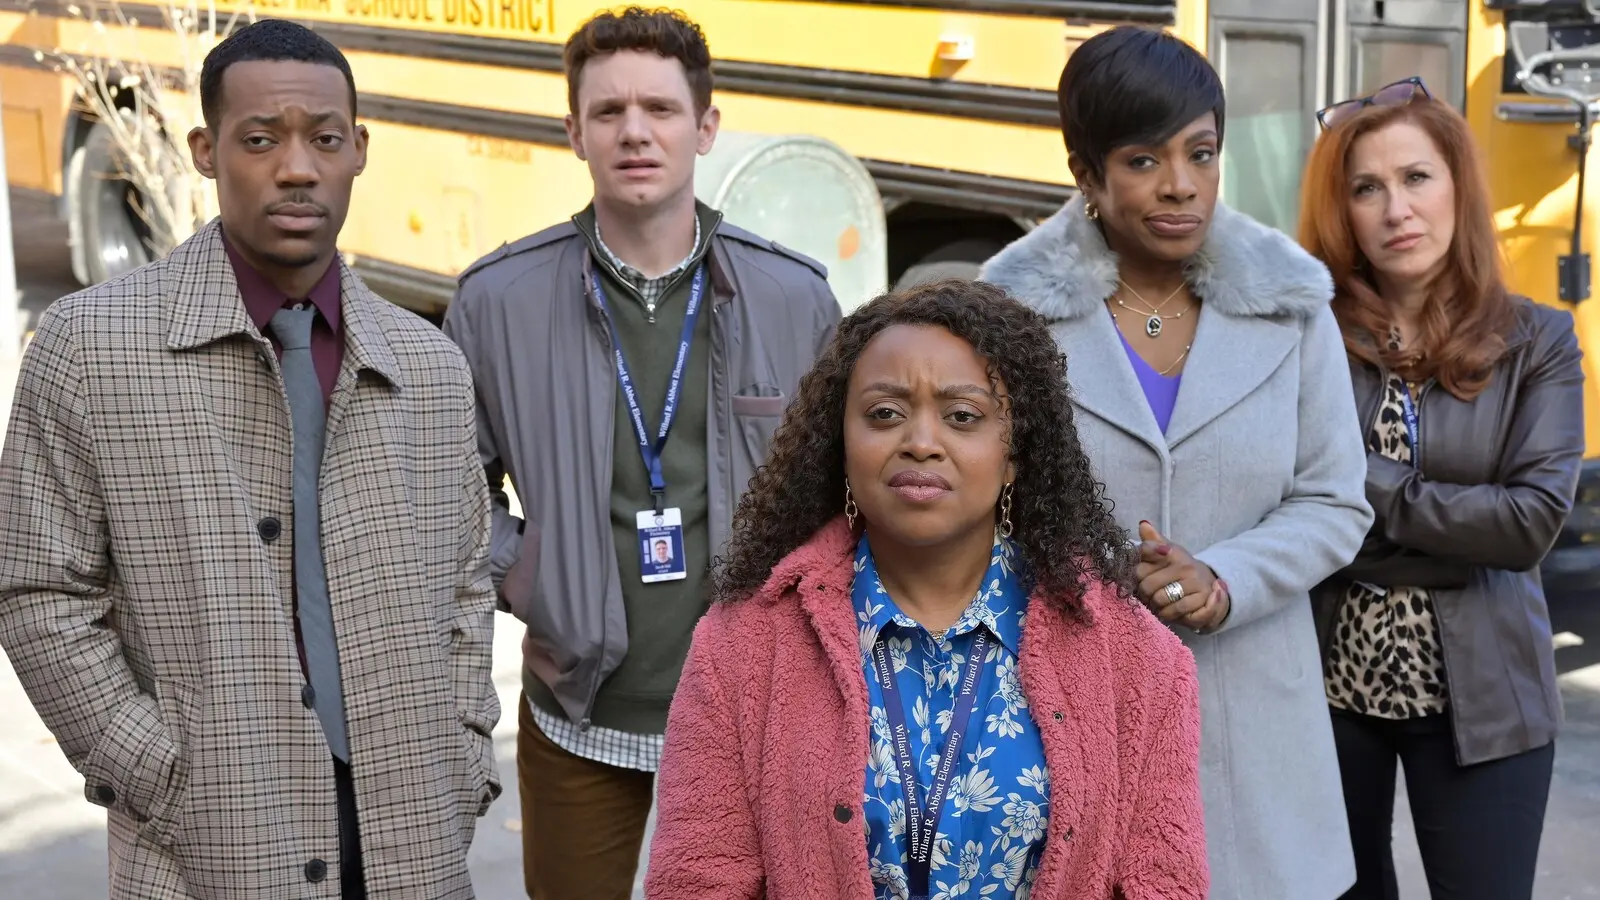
{"x":1384,"y":62}
{"x":1265,"y":142}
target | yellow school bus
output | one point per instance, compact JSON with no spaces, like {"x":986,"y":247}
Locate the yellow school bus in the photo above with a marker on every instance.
{"x":945,"y":107}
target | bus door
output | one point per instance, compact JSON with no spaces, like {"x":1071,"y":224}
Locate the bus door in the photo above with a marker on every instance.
{"x":1282,"y":60}
{"x":1267,"y":52}
{"x":1377,"y":42}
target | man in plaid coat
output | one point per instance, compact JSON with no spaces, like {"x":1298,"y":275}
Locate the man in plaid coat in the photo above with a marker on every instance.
{"x":158,"y":590}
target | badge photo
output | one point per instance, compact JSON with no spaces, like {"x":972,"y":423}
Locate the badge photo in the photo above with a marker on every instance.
{"x":661,"y":545}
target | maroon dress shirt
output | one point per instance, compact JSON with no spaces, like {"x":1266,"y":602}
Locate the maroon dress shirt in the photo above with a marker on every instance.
{"x":261,"y":302}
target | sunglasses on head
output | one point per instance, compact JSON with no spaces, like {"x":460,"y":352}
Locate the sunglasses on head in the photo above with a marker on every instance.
{"x":1397,"y":94}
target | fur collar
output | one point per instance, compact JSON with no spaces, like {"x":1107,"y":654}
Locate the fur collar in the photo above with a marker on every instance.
{"x":1064,"y":269}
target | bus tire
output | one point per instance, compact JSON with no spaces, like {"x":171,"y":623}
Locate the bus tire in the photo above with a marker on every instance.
{"x":113,"y":239}
{"x":961,"y":259}
{"x":71,"y":179}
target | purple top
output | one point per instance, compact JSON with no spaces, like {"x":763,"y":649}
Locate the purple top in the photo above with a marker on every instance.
{"x":1160,"y":391}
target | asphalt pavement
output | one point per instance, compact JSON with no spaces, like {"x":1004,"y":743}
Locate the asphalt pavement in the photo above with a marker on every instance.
{"x":53,"y":844}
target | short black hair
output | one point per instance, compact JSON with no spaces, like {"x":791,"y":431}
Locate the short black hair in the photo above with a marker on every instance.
{"x":267,"y":40}
{"x":1133,"y":85}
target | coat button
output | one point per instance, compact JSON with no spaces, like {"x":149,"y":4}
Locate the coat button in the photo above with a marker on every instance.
{"x":1059,"y":717}
{"x":841,"y":812}
{"x":269,"y":529}
{"x":316,"y":870}
{"x":308,"y":696}
{"x":105,"y":794}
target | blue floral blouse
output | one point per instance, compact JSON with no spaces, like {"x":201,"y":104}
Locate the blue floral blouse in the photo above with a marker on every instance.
{"x":991,"y":835}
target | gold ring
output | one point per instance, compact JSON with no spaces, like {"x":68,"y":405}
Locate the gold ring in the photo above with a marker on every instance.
{"x":1174,"y":592}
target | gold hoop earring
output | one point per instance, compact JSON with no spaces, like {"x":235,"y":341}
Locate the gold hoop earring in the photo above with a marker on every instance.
{"x":1005,"y":512}
{"x":850,"y":508}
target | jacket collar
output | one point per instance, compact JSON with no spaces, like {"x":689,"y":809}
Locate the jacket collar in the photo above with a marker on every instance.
{"x":203,"y":305}
{"x":1256,"y":286}
{"x":822,"y":572}
{"x":999,"y":605}
{"x":707,"y":248}
{"x":1065,"y":270}
{"x":1056,"y":652}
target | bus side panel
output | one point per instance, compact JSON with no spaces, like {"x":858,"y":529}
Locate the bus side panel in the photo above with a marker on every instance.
{"x":35,"y":106}
{"x":1533,"y":177}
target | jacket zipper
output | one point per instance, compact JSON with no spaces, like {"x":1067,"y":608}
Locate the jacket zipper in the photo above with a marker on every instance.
{"x":727,"y":404}
{"x":718,"y":321}
{"x":604,"y":260}
{"x":611,"y":355}
{"x":1416,"y":452}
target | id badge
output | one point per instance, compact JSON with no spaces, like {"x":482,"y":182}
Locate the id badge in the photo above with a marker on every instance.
{"x":661,"y":545}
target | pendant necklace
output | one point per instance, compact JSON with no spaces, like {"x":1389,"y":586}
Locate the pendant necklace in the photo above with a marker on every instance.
{"x":1154,"y":321}
{"x":1174,"y":363}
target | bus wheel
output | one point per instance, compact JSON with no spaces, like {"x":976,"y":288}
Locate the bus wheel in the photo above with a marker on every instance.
{"x":115,"y":240}
{"x":960,"y":259}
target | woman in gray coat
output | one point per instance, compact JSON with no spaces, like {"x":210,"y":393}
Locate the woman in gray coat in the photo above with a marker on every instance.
{"x":1214,"y":399}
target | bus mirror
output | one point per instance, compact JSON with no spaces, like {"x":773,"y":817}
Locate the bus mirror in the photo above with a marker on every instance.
{"x":1562,"y":73}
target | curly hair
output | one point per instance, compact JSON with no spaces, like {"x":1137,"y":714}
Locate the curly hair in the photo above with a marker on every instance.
{"x":664,"y":32}
{"x":1061,"y":521}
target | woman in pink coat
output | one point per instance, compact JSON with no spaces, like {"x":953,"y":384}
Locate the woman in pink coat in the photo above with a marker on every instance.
{"x":925,"y":674}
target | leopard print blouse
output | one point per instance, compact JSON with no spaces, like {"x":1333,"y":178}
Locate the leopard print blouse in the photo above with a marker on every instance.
{"x":1384,"y":659}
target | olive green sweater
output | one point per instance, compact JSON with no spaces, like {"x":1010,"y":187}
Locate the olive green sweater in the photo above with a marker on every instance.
{"x":661,"y":616}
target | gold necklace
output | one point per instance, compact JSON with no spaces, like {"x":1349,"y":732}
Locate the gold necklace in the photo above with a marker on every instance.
{"x":1176,"y":361}
{"x":1174,"y":364}
{"x":1154,"y":320}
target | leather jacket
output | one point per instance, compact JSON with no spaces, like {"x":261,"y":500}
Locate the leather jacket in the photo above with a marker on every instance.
{"x":1498,"y":477}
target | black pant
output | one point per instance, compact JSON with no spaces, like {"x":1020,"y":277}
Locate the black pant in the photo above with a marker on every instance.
{"x":1478,"y":826}
{"x":352,"y":881}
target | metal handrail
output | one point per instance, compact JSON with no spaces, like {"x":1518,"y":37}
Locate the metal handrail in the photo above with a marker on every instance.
{"x":1572,"y":270}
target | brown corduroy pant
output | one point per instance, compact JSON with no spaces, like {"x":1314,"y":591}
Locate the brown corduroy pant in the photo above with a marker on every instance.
{"x":582,"y":821}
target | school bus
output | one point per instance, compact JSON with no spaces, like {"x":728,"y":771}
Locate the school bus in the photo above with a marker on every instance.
{"x":948,"y":105}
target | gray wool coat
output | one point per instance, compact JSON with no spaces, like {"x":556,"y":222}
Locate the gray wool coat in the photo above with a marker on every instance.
{"x":1261,"y":475}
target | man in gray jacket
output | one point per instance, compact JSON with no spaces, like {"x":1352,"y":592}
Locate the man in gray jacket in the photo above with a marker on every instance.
{"x":631,"y":365}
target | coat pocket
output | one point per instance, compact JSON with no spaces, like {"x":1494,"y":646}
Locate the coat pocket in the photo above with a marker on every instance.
{"x":745,"y":405}
{"x":476,"y":790}
{"x":180,"y":704}
{"x":756,"y":418}
{"x":482,"y":789}
{"x":137,"y":762}
{"x":140,"y":768}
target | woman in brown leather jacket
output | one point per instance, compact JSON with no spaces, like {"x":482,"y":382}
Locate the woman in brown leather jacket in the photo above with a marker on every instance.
{"x":1436,"y":639}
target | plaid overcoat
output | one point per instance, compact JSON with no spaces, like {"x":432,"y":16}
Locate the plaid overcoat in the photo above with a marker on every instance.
{"x":146,"y":525}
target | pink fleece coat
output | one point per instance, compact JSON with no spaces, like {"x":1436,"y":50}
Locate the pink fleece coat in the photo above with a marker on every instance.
{"x":764,"y":771}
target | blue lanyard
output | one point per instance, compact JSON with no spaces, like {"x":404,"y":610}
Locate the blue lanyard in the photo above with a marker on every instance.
{"x":651,"y":451}
{"x":1413,"y":428}
{"x":922,"y":822}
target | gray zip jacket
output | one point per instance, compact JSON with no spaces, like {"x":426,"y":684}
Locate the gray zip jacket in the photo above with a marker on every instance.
{"x":539,"y":347}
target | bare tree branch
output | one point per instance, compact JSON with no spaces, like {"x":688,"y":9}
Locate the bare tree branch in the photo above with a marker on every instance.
{"x":149,"y":108}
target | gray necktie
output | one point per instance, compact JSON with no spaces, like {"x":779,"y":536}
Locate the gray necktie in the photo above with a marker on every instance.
{"x":293,"y":328}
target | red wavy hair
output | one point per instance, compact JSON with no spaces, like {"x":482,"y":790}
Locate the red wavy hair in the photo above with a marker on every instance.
{"x":1463,"y":327}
